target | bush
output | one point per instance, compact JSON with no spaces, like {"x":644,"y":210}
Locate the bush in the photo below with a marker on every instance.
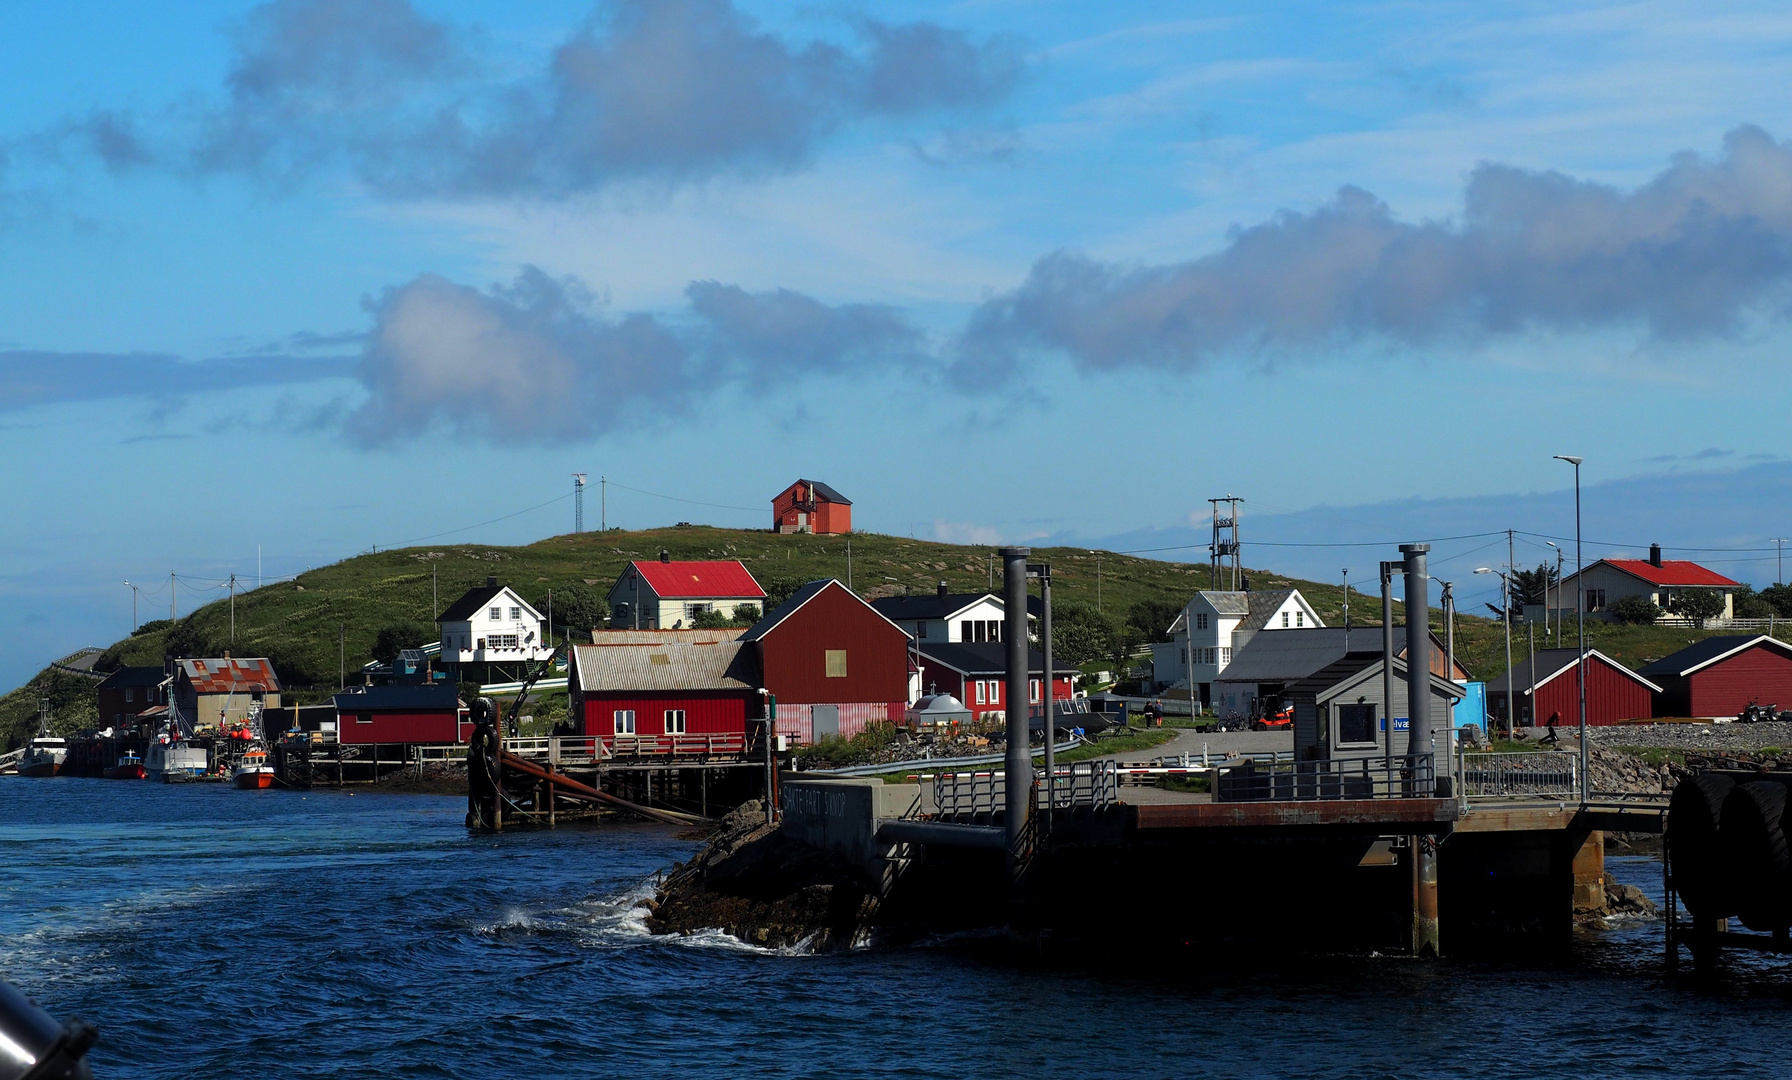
{"x":577,"y":607}
{"x":1079,"y":633}
{"x":398,"y":637}
{"x":1697,"y":604}
{"x":1151,"y":619}
{"x":1638,"y":610}
{"x":152,"y":626}
{"x":1746,"y":603}
{"x":1780,"y":596}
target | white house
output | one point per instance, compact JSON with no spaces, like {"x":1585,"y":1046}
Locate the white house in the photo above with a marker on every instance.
{"x":668,"y":595}
{"x":1655,"y":579}
{"x":964,"y":618}
{"x":1222,"y":622}
{"x":491,"y":623}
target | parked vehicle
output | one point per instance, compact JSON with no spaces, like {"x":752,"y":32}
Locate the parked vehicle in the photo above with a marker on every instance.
{"x":1754,"y":712}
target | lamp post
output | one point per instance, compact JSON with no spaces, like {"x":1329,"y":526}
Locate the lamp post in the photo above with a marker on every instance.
{"x":1505,"y":617}
{"x":1580,"y":623}
{"x":1558,"y":586}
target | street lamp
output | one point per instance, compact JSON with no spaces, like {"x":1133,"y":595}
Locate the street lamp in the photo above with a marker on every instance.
{"x":1580,"y":622}
{"x":1505,"y":617}
{"x":1552,"y":543}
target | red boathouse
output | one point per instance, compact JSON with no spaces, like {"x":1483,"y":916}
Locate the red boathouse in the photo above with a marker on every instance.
{"x":1546,"y":686}
{"x":1721,"y":675}
{"x":664,"y":699}
{"x":401,"y":714}
{"x":833,"y":661}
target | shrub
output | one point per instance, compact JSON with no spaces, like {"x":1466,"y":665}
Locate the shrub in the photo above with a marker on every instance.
{"x":1638,"y":610}
{"x":398,"y":637}
{"x":1780,"y":596}
{"x":1746,"y":603}
{"x":152,"y":626}
{"x":1697,"y":604}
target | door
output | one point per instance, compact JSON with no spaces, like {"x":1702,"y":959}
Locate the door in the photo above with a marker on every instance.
{"x":826,"y":719}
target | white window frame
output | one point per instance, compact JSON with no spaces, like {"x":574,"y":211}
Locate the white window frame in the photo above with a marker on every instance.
{"x":494,"y":614}
{"x":1033,"y":691}
{"x":619,"y":717}
{"x":1201,"y":621}
{"x":516,"y":614}
{"x":979,"y":693}
{"x":127,"y":693}
{"x":1284,"y":620}
{"x":1300,"y":619}
{"x":676,"y":716}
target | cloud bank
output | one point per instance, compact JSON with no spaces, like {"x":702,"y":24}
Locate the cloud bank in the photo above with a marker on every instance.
{"x":654,"y":90}
{"x":1696,"y":251}
{"x":35,"y":377}
{"x":533,"y":361}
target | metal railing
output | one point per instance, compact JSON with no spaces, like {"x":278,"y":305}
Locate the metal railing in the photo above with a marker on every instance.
{"x":585,"y":749}
{"x":1409,"y":776}
{"x":962,"y":795}
{"x":1526,"y":775}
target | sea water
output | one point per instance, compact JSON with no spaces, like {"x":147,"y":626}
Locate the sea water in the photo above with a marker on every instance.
{"x":210,"y":932}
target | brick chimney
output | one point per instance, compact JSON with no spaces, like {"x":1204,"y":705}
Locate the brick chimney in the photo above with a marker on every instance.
{"x":942,"y":590}
{"x":1655,"y":555}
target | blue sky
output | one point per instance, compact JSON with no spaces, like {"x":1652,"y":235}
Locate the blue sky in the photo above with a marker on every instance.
{"x":316,"y":275}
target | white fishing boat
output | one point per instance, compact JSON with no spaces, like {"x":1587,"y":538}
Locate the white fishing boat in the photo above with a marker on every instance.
{"x":44,"y":756}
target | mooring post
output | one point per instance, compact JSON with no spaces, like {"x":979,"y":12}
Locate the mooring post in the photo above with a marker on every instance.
{"x":1019,"y":758}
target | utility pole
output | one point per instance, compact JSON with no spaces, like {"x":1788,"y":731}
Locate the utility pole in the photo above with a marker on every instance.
{"x":1512,"y":563}
{"x":603,"y":503}
{"x":342,"y":657}
{"x":233,"y":611}
{"x":133,"y":589}
{"x":435,"y":607}
{"x":1779,"y":577}
{"x":1098,"y":583}
{"x":1347,"y":602}
{"x":171,"y":590}
{"x":578,"y":502}
{"x":849,"y":564}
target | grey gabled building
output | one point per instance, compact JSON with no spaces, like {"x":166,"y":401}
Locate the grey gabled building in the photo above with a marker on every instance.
{"x":1341,"y":712}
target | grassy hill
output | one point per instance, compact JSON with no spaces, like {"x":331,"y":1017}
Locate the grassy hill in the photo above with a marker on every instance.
{"x":299,"y":623}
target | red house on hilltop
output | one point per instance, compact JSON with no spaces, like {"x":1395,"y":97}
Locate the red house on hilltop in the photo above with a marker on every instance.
{"x":832,"y":661}
{"x":810,"y":506}
{"x":1721,"y":675}
{"x":1614,"y":692}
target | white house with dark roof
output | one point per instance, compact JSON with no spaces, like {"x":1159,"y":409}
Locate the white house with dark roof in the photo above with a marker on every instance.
{"x":1214,"y":625}
{"x":490,"y":623}
{"x":949,"y":616}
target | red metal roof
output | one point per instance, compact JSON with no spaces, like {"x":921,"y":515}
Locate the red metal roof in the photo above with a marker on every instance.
{"x":1671,"y":572}
{"x":726,"y":578}
{"x":237,"y":675}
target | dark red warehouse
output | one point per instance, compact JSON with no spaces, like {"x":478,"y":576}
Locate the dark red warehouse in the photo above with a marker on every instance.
{"x":399,"y":714}
{"x":1546,"y":686}
{"x":1721,"y":675}
{"x":664,"y":699}
{"x":834,"y":663}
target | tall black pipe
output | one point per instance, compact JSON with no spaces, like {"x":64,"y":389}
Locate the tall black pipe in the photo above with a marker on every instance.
{"x":1419,"y":739}
{"x":1019,"y":778}
{"x":1387,"y":669}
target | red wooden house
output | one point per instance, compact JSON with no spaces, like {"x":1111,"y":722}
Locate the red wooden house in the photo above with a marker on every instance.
{"x":832,"y":661}
{"x":1549,"y":687}
{"x":401,"y":714}
{"x":665,"y":699}
{"x":127,"y":692}
{"x":1719,"y":676}
{"x":810,"y":506}
{"x":976,"y":673}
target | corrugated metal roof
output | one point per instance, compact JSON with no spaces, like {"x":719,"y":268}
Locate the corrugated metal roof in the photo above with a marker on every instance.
{"x":237,"y":675}
{"x":827,"y":493}
{"x":695,"y":580}
{"x":682,"y":636}
{"x":1671,"y":572}
{"x":133,"y":677}
{"x":610,"y":668}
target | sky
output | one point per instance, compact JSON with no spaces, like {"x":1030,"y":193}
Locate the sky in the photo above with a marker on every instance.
{"x":282,"y":282}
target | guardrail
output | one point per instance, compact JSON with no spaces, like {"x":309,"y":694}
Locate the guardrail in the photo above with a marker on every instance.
{"x":936,"y":763}
{"x":585,"y":749}
{"x":959,"y":795}
{"x":1527,"y":774}
{"x":1405,"y":776}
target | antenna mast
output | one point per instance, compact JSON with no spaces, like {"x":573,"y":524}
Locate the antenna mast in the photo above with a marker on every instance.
{"x":1225,"y":542}
{"x":578,"y":502}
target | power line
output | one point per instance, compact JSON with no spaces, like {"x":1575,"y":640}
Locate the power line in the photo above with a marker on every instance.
{"x":693,"y":502}
{"x":482,"y":524}
{"x":1294,"y":544}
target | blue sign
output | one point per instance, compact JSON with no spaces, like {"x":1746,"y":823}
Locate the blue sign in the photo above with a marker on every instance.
{"x":1400,"y":724}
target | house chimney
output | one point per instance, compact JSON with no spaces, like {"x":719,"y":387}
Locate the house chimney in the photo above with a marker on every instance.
{"x":942,"y":592}
{"x":491,"y":581}
{"x":1655,"y":555}
{"x":665,"y":556}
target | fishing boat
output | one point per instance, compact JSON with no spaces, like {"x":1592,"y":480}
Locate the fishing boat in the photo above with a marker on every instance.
{"x":129,"y":767}
{"x":253,"y":773}
{"x":44,"y":756}
{"x":174,"y":760}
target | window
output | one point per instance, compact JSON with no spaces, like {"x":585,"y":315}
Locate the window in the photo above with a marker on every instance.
{"x":1595,"y":599}
{"x":516,"y":613}
{"x":127,"y":693}
{"x":979,"y":688}
{"x":1284,"y":620}
{"x":495,"y":614}
{"x":1225,"y":655}
{"x":921,"y":630}
{"x":964,"y":630}
{"x":836,"y":661}
{"x":995,"y":629}
{"x":1033,"y":691}
{"x":1300,"y":618}
{"x":501,"y":641}
{"x":364,"y":718}
{"x":691,"y":611}
{"x":1356,"y":724}
{"x":995,"y":691}
{"x":675,"y":721}
{"x":481,"y":644}
{"x":1201,"y":621}
{"x":624,"y":720}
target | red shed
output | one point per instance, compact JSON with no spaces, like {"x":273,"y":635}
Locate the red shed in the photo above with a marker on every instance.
{"x":665,"y":699}
{"x":1614,"y":692}
{"x":976,"y":674}
{"x":832,"y":661}
{"x":813,"y":507}
{"x":400,"y":714}
{"x":1721,"y":675}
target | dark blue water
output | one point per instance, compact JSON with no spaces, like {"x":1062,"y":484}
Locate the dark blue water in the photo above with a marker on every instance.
{"x":211,"y":932}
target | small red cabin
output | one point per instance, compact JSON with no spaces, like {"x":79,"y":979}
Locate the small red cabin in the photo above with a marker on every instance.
{"x":1614,"y":692}
{"x":664,"y":699}
{"x":400,"y":714}
{"x":810,"y":506}
{"x":1721,"y":675}
{"x":833,"y":662}
{"x":976,"y":674}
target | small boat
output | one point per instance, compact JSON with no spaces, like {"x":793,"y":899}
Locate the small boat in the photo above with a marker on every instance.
{"x":129,"y":767}
{"x":44,"y":756}
{"x":253,"y":773}
{"x":170,"y":762}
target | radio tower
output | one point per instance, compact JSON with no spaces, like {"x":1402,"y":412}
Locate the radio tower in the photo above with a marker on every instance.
{"x":1225,"y":542}
{"x":578,"y":502}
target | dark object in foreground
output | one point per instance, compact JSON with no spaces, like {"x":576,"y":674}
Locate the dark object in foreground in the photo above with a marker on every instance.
{"x":33,"y":1046}
{"x":755,"y":883}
